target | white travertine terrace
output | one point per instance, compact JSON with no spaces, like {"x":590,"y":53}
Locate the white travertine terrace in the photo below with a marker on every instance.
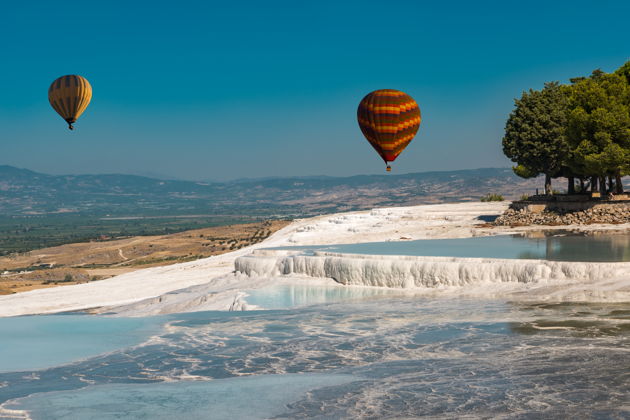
{"x":214,"y":286}
{"x":397,"y":271}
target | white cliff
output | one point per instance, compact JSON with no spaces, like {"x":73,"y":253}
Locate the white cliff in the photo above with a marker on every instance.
{"x":424,"y":272}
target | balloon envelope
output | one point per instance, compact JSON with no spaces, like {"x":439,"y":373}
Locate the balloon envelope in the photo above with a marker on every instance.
{"x":69,"y":96}
{"x":389,"y":120}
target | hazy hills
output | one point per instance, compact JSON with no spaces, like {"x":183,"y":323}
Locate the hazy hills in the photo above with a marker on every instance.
{"x":24,"y":192}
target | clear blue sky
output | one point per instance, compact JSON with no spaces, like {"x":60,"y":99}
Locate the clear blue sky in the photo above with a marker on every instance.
{"x":224,"y":90}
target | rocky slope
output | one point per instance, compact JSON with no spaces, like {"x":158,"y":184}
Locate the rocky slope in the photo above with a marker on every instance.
{"x":616,"y":214}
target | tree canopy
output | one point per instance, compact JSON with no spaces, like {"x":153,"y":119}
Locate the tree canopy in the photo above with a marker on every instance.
{"x":578,"y":130}
{"x":535,"y":133}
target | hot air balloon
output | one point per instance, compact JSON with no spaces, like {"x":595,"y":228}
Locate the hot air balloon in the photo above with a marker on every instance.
{"x":69,"y":96}
{"x":389,"y":120}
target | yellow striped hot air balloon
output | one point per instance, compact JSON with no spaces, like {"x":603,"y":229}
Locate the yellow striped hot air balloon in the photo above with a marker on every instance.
{"x":69,"y":96}
{"x":389,"y":120}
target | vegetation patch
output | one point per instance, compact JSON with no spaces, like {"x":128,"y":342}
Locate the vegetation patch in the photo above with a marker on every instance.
{"x":492,"y":197}
{"x":580,"y":131}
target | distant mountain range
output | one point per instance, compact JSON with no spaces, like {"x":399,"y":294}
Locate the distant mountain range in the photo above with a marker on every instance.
{"x":24,"y":192}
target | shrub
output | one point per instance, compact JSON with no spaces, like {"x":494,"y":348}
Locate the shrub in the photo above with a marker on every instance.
{"x":492,"y":197}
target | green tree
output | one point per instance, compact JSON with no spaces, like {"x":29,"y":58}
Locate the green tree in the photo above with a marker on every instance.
{"x":598,"y":127}
{"x":624,"y":71}
{"x":535,"y":133}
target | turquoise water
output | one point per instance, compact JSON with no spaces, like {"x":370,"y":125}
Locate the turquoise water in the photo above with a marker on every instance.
{"x":291,"y":296}
{"x":36,"y":342}
{"x":389,"y":357}
{"x":558,"y":247}
{"x":251,"y":397}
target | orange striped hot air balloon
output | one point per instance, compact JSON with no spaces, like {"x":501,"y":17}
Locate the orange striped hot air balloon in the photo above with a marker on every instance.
{"x":389,"y":120}
{"x":69,"y":96}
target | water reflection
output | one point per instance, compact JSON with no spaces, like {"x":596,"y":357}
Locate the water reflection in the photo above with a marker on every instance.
{"x":295,"y":295}
{"x":573,"y":246}
{"x":555,"y":245}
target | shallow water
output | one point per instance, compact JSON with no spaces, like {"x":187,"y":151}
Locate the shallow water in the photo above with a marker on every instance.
{"x":557,"y":247}
{"x":266,"y":395}
{"x":284,"y":296}
{"x":36,"y":342}
{"x":388,"y":357}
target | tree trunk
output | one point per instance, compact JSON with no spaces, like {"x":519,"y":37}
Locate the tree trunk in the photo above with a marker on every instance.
{"x":594,"y":184}
{"x":611,"y":184}
{"x":571,"y":186}
{"x":602,"y":185}
{"x":618,"y":183}
{"x":582,"y":191}
{"x":547,"y":184}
